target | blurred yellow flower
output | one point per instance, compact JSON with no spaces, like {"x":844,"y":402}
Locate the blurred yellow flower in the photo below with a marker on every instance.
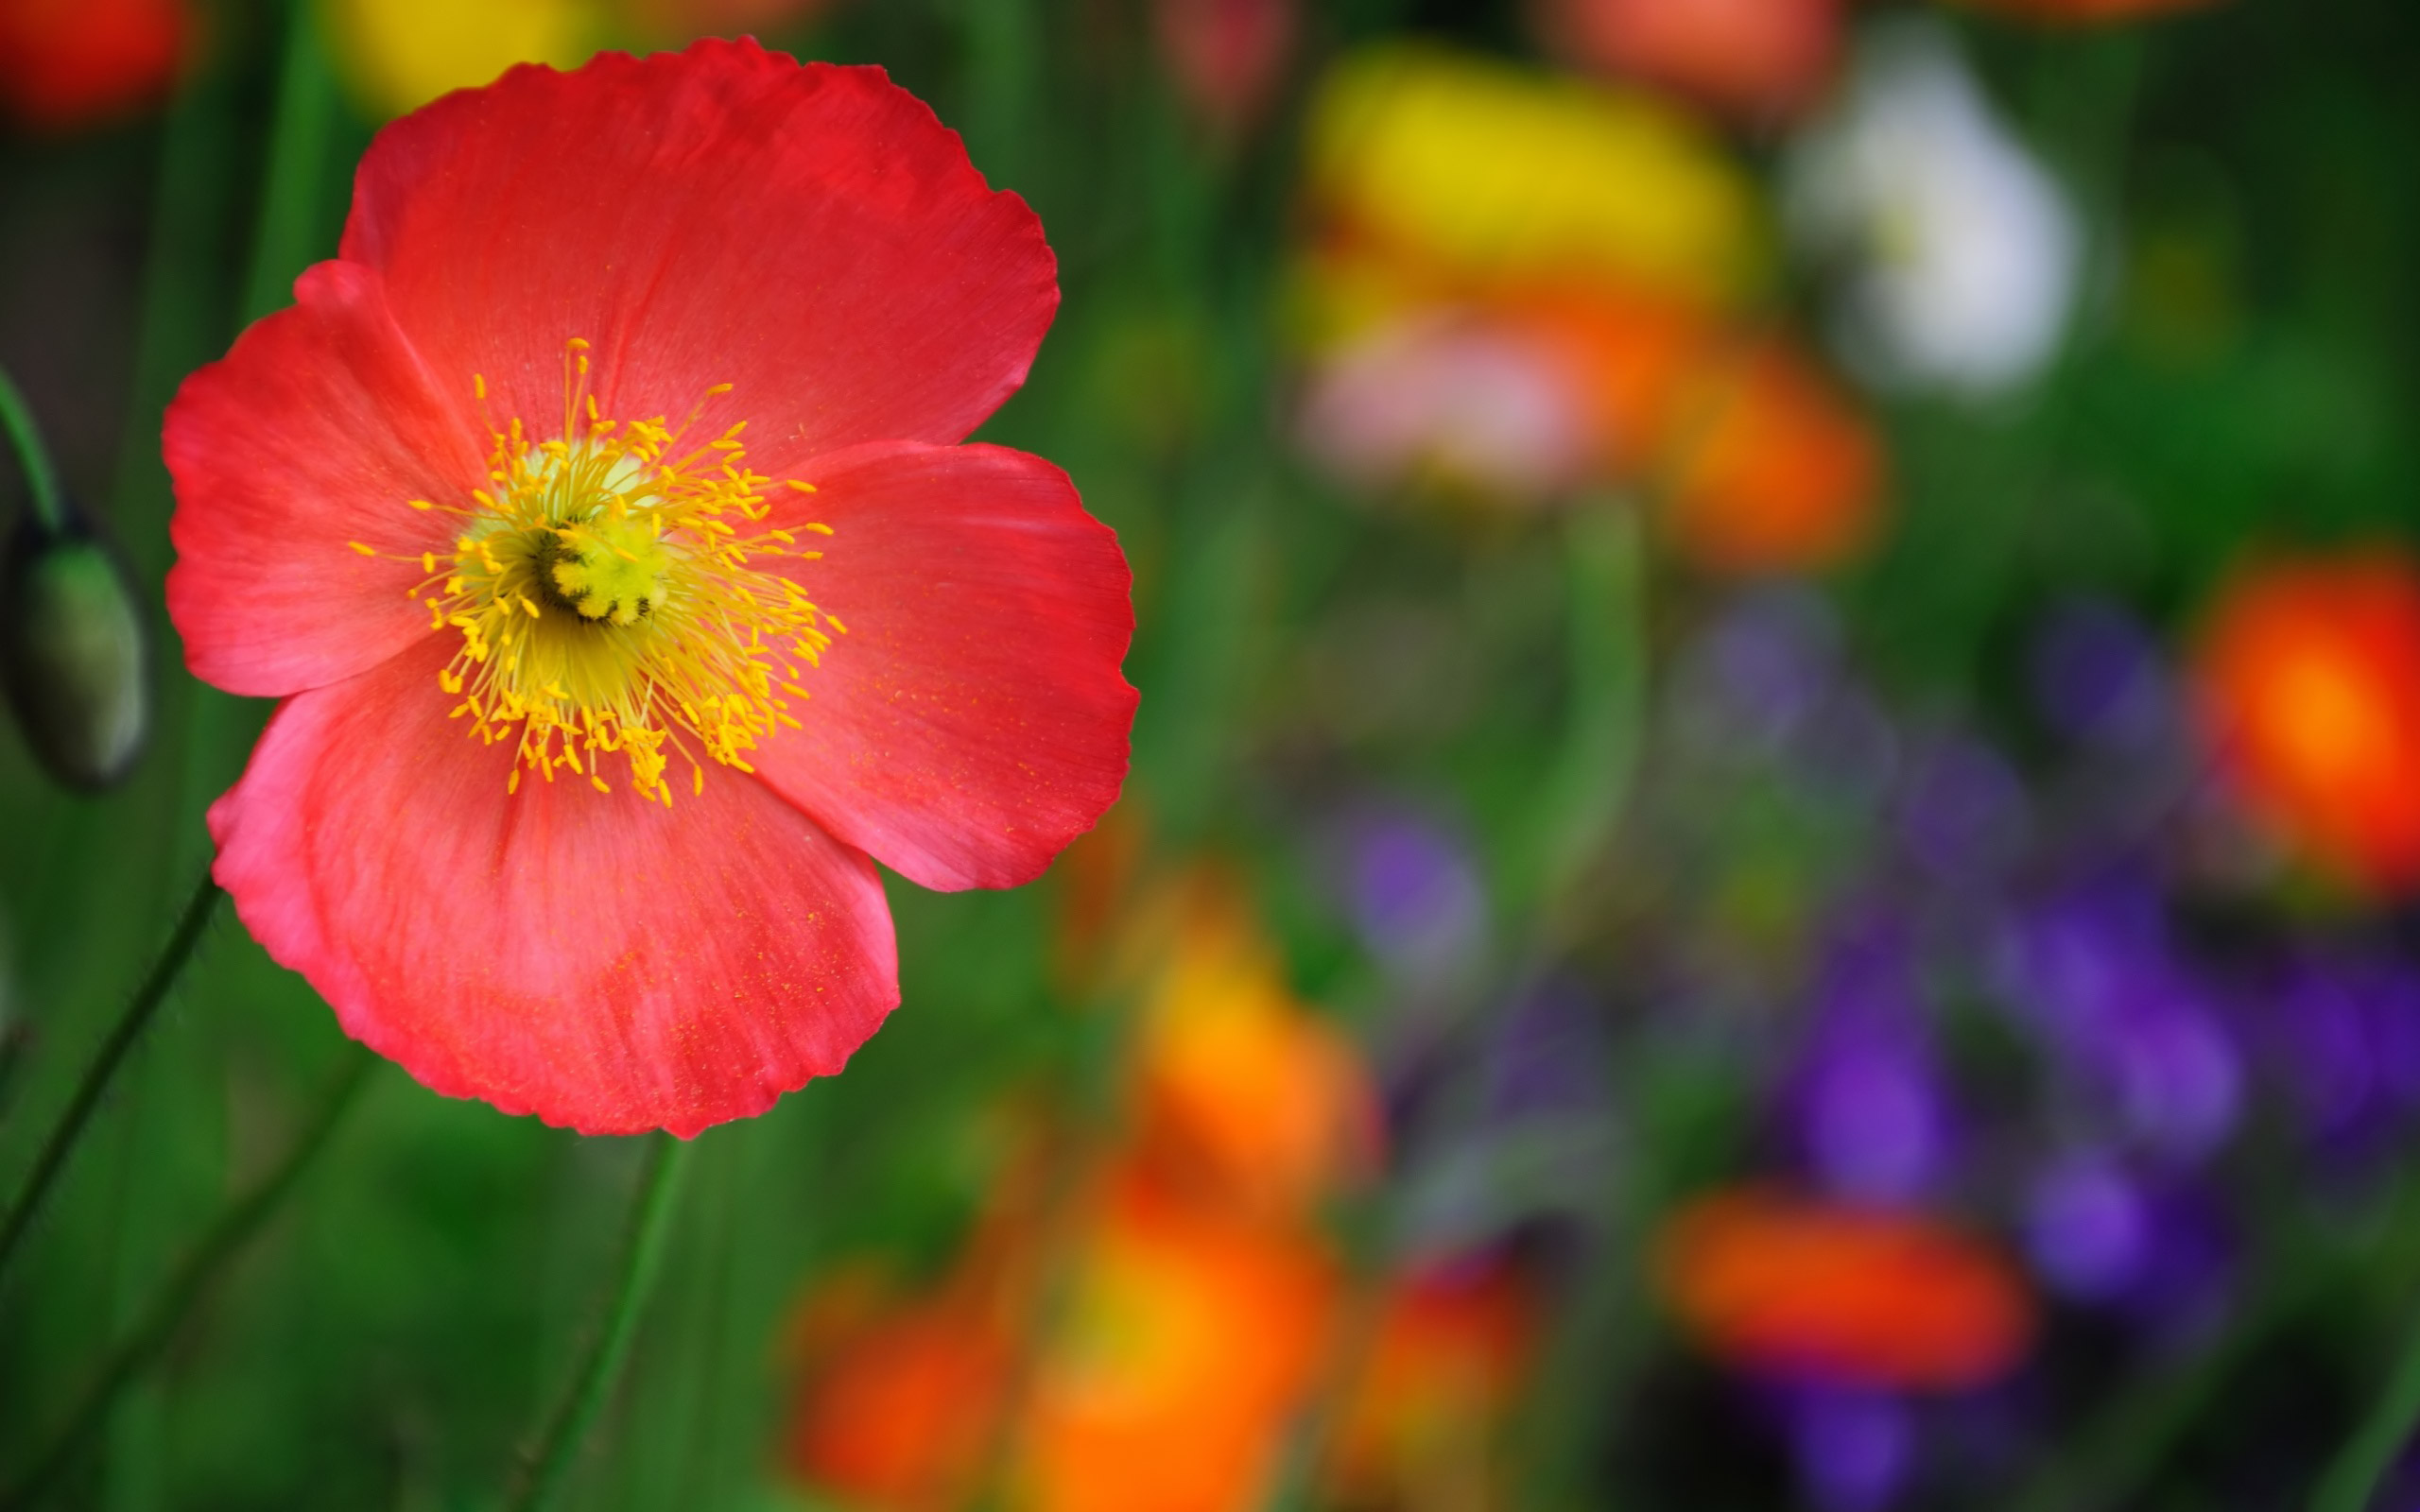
{"x":398,"y":54}
{"x":1492,"y":173}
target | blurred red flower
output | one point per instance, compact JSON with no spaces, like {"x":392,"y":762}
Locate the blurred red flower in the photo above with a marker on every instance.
{"x":1227,"y":57}
{"x":903,"y":1403}
{"x":478,"y":510}
{"x":1771,"y":468}
{"x":1812,"y":1291}
{"x":1424,"y":1412}
{"x":2309,"y":675}
{"x":1758,"y":59}
{"x":66,"y":64}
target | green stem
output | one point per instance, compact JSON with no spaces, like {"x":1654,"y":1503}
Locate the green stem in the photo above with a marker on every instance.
{"x":643,"y":1245}
{"x":42,"y":478}
{"x":2351,"y":1480}
{"x":1581,"y":799}
{"x":159,"y":1322}
{"x":128,"y":1028}
{"x":287,"y":235}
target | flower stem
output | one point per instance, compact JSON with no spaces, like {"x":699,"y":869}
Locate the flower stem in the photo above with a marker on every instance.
{"x":643,"y":1243}
{"x":139,"y":1012}
{"x":1581,"y":796}
{"x":157,"y":1324}
{"x":42,"y":478}
{"x":2351,"y":1480}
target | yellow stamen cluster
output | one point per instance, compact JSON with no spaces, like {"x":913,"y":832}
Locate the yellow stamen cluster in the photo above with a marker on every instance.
{"x":618,"y":593}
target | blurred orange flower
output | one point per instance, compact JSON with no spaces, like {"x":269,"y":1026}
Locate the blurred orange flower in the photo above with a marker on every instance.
{"x":1844,"y":1296}
{"x":1423,"y":1413}
{"x":1757,"y":58}
{"x":1244,"y":1094}
{"x":1773,"y":469}
{"x":68,"y":63}
{"x":1191,"y":1338}
{"x":2309,"y":675}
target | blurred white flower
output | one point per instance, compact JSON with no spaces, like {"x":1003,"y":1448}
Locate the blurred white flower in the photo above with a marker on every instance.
{"x":1960,"y":253}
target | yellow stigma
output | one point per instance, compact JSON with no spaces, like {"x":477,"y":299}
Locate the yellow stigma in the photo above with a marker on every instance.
{"x":617,"y":595}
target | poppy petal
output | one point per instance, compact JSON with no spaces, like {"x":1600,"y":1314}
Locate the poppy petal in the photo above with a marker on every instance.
{"x":605,"y":963}
{"x":301,"y":448}
{"x":812,"y":233}
{"x":972,"y":720}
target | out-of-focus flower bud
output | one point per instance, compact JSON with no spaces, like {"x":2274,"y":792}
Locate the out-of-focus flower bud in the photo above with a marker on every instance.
{"x":1227,"y":57}
{"x":398,"y":54}
{"x":74,"y":656}
{"x":1756,"y":58}
{"x":67,"y":63}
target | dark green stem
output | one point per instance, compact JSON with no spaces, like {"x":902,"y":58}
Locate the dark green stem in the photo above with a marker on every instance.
{"x":159,"y":1321}
{"x":139,"y":1012}
{"x":643,"y":1243}
{"x":2352,"y":1478}
{"x":42,"y":480}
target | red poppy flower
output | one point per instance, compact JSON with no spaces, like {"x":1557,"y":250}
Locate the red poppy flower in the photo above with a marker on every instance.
{"x":1842,"y":1295}
{"x":598,"y":514}
{"x":2310,"y":681}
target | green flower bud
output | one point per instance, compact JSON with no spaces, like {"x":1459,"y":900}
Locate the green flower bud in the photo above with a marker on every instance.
{"x":74,"y":656}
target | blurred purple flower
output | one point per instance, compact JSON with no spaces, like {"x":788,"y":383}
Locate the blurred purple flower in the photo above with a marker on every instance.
{"x":2097,"y":676}
{"x":1767,"y":663}
{"x":1867,"y":1104}
{"x":2344,"y":1038}
{"x":1549,"y":1053}
{"x":1853,"y":1449}
{"x":2130,"y":1029}
{"x":1413,"y":895}
{"x":2087,"y":1229}
{"x":2102,"y":1235}
{"x":1961,"y":809}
